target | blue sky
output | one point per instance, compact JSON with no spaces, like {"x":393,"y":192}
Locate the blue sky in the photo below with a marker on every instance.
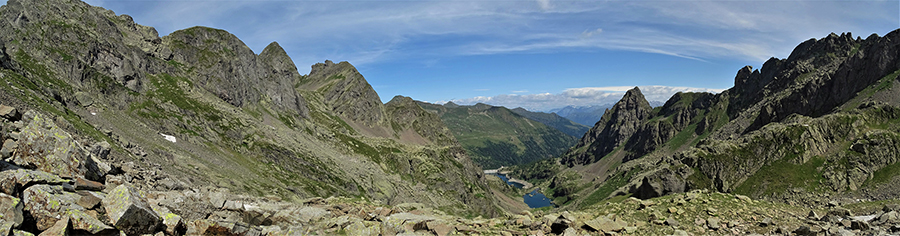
{"x":540,"y":54}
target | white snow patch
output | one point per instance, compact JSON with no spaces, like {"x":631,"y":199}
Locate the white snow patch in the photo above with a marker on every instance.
{"x":168,"y":137}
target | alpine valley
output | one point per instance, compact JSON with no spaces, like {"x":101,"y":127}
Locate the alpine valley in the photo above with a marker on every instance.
{"x":109,"y":129}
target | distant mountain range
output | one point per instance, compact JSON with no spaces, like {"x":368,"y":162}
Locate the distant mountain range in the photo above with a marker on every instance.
{"x":553,"y":120}
{"x":588,"y":115}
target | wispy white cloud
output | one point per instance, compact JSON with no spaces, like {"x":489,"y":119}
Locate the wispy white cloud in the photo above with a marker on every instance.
{"x":378,"y":31}
{"x":590,"y":33}
{"x":545,"y":5}
{"x":578,"y":97}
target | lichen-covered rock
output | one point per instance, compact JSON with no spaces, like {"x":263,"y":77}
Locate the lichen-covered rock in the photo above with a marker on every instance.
{"x":208,"y":227}
{"x":361,"y":228}
{"x":198,"y":227}
{"x":9,"y":147}
{"x":86,"y":223}
{"x":174,"y":224}
{"x":10,"y":212}
{"x":48,"y":203}
{"x":16,"y":232}
{"x":59,"y":228}
{"x":129,"y":211}
{"x":13,"y":181}
{"x":46,"y":147}
{"x":300,"y":215}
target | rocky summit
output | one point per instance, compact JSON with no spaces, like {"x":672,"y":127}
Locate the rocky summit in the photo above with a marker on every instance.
{"x":106,"y":128}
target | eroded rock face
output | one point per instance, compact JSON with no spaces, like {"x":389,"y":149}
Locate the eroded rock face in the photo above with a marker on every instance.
{"x":614,"y":128}
{"x":128,"y":210}
{"x":234,"y":73}
{"x":677,"y":114}
{"x":347,"y":92}
{"x":46,"y":147}
{"x":662,"y":182}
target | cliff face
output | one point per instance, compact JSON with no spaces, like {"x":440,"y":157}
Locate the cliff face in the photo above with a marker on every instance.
{"x":802,"y":113}
{"x":218,"y":114}
{"x":346,"y":92}
{"x":613,"y":129}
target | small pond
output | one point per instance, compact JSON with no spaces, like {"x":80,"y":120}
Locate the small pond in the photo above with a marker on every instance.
{"x":534,"y":199}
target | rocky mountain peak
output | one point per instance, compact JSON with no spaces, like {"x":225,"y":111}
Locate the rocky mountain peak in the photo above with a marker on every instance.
{"x":481,"y":106}
{"x":829,"y":44}
{"x":408,"y":117}
{"x":614,"y":128}
{"x":401,"y":100}
{"x":105,"y":40}
{"x":633,"y":99}
{"x":451,"y":104}
{"x":275,"y":56}
{"x":225,"y":66}
{"x":328,"y":67}
{"x":347,"y":92}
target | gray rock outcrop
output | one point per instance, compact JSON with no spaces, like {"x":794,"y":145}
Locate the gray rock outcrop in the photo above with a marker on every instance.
{"x":44,"y":146}
{"x":129,"y":211}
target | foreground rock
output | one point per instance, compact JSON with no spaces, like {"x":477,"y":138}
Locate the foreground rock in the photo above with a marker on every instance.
{"x":47,"y":203}
{"x":129,"y":211}
{"x":44,"y":146}
{"x":14,"y":181}
{"x":10,"y":213}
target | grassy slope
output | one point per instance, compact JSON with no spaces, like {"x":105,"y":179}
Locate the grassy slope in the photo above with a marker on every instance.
{"x":495,"y":136}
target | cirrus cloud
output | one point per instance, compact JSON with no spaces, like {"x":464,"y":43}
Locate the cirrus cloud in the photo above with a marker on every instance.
{"x":586,"y":96}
